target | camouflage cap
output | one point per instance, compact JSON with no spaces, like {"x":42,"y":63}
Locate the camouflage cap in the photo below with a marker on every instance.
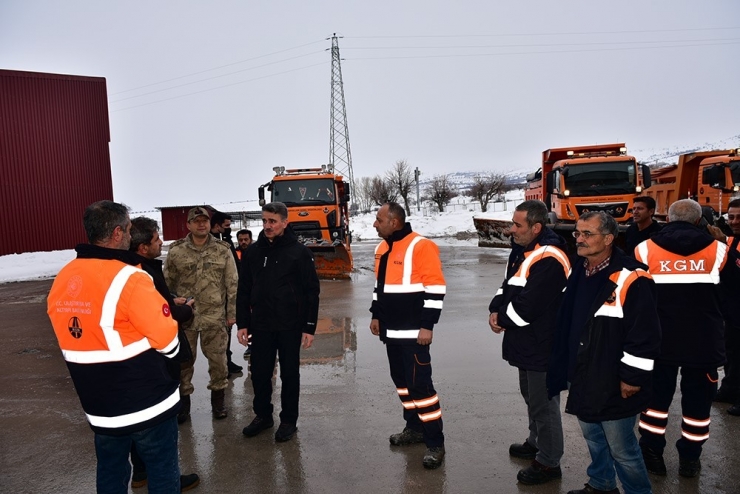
{"x":198,"y":211}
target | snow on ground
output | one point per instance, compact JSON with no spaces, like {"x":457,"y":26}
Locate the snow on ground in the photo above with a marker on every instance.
{"x":455,"y":226}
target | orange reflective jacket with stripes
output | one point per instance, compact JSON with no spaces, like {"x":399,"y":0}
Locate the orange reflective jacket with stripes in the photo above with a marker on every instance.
{"x":686,"y":264}
{"x":409,"y":286}
{"x":115,"y":332}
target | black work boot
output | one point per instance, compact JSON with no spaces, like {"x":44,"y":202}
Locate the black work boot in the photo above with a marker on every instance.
{"x":654,"y":462}
{"x":524,"y":450}
{"x":689,"y":468}
{"x":190,"y":481}
{"x":537,"y":473}
{"x":258,"y":425}
{"x":217,"y":404}
{"x":184,"y":414}
{"x":434,"y":457}
{"x":587,"y":489}
{"x":408,"y":436}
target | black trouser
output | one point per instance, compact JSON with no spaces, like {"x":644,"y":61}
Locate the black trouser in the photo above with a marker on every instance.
{"x":411,"y":371}
{"x":265,"y":346}
{"x":731,"y":381}
{"x":698,"y":388}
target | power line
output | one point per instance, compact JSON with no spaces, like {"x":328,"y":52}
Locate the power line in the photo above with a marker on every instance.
{"x":538,"y":52}
{"x":215,"y":77}
{"x":584,"y":33}
{"x":539,"y":44}
{"x":219,"y":67}
{"x":218,"y":87}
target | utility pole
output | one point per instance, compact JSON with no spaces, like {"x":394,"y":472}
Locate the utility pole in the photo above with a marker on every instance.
{"x":416,"y":177}
{"x":339,"y":153}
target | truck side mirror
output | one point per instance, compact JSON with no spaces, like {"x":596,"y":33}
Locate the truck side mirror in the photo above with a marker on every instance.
{"x":346,"y":192}
{"x":647,"y":180}
{"x":261,"y":195}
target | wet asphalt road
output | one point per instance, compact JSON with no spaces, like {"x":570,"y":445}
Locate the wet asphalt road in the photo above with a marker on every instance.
{"x":348,"y":407}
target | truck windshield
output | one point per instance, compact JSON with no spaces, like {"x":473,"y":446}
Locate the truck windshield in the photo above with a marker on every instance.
{"x":601,"y":179}
{"x":304,"y":191}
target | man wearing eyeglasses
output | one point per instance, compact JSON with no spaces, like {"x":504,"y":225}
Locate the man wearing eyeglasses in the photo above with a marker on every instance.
{"x":524,"y":309}
{"x":607,"y":337}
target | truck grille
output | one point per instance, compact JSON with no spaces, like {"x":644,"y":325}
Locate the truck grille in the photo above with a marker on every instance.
{"x":615,"y":209}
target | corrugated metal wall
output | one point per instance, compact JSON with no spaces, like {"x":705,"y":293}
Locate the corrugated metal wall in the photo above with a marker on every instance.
{"x":175,"y":220}
{"x":54,"y":158}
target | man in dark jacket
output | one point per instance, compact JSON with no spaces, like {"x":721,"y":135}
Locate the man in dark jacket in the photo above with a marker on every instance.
{"x":643,"y":225}
{"x":606,"y":339}
{"x":147,"y":247}
{"x":685,"y":262}
{"x":278,"y":304}
{"x":524,"y":308}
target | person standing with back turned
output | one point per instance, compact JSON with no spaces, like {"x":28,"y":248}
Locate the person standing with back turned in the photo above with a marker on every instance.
{"x":407,"y":302}
{"x":116,"y":334}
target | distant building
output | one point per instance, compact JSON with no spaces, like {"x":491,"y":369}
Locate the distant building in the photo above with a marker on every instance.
{"x":54,"y":158}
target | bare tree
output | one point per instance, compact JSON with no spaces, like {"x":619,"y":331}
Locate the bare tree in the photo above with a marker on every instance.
{"x":382,"y":191}
{"x":440,"y":191}
{"x":363,"y":194}
{"x":486,"y":187}
{"x":401,"y":177}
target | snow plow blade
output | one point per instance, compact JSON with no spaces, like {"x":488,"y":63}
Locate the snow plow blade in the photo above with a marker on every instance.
{"x":332,"y":261}
{"x":492,"y":233}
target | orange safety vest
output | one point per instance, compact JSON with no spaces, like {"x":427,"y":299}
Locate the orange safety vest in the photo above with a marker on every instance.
{"x":670,"y":268}
{"x":413,"y":270}
{"x":108,"y":313}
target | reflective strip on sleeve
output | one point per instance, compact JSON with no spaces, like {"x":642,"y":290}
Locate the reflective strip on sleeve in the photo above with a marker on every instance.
{"x":436,"y":289}
{"x":402,"y":333}
{"x":136,"y":417}
{"x":427,"y":402}
{"x":402,"y":391}
{"x":404,"y":288}
{"x":433,"y":304}
{"x":645,"y":364}
{"x":170,"y":351}
{"x":514,"y":316}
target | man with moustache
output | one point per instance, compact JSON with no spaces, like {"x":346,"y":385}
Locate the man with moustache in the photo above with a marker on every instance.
{"x":278,"y":305}
{"x":606,"y":339}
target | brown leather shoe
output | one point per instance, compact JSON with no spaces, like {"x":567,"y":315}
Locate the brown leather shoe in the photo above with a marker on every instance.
{"x":217,"y":404}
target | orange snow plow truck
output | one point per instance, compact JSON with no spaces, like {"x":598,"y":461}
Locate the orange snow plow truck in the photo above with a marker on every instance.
{"x":318,"y":211}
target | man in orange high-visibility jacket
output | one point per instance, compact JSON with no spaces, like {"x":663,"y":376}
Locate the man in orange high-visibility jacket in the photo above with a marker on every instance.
{"x":685,"y":261}
{"x":407,"y":302}
{"x":116,"y":332}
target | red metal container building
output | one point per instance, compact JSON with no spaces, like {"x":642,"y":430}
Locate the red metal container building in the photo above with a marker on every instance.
{"x":54,"y":158}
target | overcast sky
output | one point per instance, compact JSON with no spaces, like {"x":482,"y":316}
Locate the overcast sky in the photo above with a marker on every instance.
{"x":206,"y":97}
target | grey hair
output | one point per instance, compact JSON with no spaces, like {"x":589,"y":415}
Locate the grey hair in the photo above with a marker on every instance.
{"x":685,"y":210}
{"x":607,"y":223}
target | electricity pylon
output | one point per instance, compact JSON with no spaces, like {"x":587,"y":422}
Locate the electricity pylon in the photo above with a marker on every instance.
{"x":339,"y":153}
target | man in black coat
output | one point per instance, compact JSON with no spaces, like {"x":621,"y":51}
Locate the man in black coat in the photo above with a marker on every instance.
{"x":524,"y":309}
{"x":278,"y":304}
{"x":607,"y":337}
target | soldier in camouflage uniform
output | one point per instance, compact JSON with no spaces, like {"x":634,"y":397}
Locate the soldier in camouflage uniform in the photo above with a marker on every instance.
{"x":202,"y":267}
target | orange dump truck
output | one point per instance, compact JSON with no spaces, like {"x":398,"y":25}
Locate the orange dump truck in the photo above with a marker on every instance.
{"x":709,"y":177}
{"x":318,"y":211}
{"x":575,"y":180}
